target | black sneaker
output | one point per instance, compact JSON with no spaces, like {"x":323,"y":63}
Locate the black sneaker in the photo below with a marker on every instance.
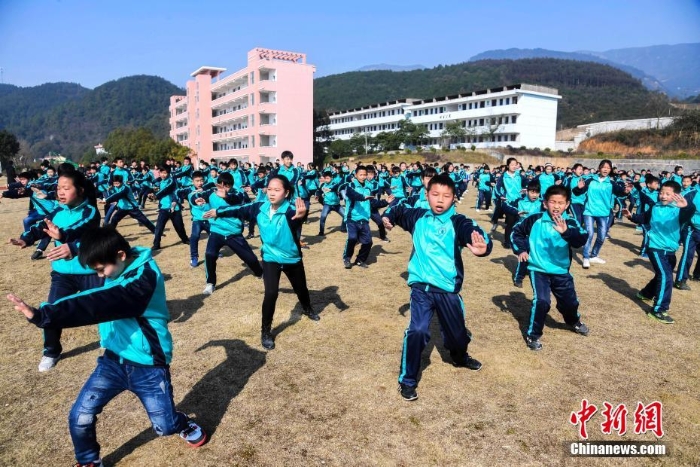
{"x":311,"y":313}
{"x":469,"y":362}
{"x":385,"y":240}
{"x":321,"y":234}
{"x":361,"y":264}
{"x":580,"y":328}
{"x":533,"y":344}
{"x":193,"y":435}
{"x":267,"y":340}
{"x":518,"y":284}
{"x":695,"y":278}
{"x":155,"y":248}
{"x":683,"y":285}
{"x":661,"y":317}
{"x":408,"y":392}
{"x":37,"y":255}
{"x":347,"y":263}
{"x":185,"y":241}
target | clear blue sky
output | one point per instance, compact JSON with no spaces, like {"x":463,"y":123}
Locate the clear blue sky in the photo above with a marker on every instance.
{"x":92,"y":42}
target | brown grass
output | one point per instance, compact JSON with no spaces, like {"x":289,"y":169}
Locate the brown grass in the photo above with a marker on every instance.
{"x":327,"y":394}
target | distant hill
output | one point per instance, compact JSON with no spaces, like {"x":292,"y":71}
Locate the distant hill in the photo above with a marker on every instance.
{"x":676,"y":66}
{"x":591,"y":92}
{"x":674,"y":69}
{"x":516,"y":54}
{"x":384,"y":66}
{"x":70,"y":119}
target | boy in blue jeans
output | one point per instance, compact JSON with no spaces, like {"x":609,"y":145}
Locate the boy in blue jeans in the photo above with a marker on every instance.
{"x":132,"y":317}
{"x":545,"y":241}
{"x":435,"y":274}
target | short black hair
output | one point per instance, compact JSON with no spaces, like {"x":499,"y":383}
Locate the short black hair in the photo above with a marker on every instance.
{"x":289,"y":154}
{"x":29,"y":175}
{"x":444,"y":180}
{"x":101,"y":246}
{"x":197,"y":174}
{"x":428,"y":172}
{"x":534,"y":185}
{"x":225,"y":179}
{"x":360,"y":167}
{"x":557,"y":190}
{"x":118,"y":178}
{"x":673,"y":185}
{"x":649,"y":179}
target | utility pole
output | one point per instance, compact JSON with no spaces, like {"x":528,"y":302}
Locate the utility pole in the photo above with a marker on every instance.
{"x":2,"y":81}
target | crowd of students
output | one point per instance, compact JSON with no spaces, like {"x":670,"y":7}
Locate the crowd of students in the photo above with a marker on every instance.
{"x":548,"y":213}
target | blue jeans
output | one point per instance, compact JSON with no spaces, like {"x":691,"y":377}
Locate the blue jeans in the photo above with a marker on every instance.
{"x":32,"y":218}
{"x":327,"y":208}
{"x":197,"y":228}
{"x":152,"y":386}
{"x":601,"y":231}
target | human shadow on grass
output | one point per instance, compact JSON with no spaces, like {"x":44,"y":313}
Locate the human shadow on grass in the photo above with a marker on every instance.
{"x":509,"y":261}
{"x":80,"y":350}
{"x":618,"y":285}
{"x":520,"y":307}
{"x":320,"y":299}
{"x":436,"y":341}
{"x":639,"y":262}
{"x":377,"y":250}
{"x":210,"y":397}
{"x":624,"y":244}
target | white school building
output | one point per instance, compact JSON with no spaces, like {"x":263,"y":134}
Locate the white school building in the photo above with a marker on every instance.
{"x":517,"y":115}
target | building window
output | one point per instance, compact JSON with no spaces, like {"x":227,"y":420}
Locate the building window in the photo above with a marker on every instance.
{"x":500,"y":101}
{"x":513,"y":119}
{"x":515,"y":100}
{"x":507,"y":100}
{"x":512,"y":137}
{"x":482,"y":104}
{"x":481,"y":122}
{"x":493,"y":103}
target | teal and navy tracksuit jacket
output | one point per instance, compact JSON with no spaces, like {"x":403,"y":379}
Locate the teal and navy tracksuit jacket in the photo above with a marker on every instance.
{"x":438,"y":239}
{"x":293,"y":174}
{"x":509,"y":186}
{"x":229,"y":225}
{"x":550,"y":252}
{"x":523,"y":205}
{"x":278,"y":232}
{"x":690,"y":236}
{"x":72,"y":222}
{"x":357,"y":207}
{"x":124,"y":198}
{"x":599,"y":195}
{"x":131,"y":313}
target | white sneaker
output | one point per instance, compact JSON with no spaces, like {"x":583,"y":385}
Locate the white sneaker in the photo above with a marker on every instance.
{"x":478,"y":210}
{"x":208,"y":290}
{"x":586,"y":263}
{"x":47,"y":363}
{"x":596,"y":260}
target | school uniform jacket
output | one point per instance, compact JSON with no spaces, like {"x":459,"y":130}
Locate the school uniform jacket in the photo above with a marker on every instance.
{"x":436,"y":260}
{"x":131,"y":313}
{"x":550,"y":252}
{"x":72,"y":222}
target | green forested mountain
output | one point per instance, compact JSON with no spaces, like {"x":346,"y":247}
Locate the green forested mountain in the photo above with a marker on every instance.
{"x":590,"y":92}
{"x":70,"y":119}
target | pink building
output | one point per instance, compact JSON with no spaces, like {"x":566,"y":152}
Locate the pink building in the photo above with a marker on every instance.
{"x":253,"y":114}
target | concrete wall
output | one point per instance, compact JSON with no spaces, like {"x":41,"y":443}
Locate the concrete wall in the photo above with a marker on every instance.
{"x":655,"y":165}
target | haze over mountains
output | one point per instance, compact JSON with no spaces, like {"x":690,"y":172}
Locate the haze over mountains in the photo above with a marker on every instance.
{"x":673,"y":69}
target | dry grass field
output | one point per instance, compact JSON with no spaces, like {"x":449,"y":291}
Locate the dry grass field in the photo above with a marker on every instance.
{"x":327,"y":394}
